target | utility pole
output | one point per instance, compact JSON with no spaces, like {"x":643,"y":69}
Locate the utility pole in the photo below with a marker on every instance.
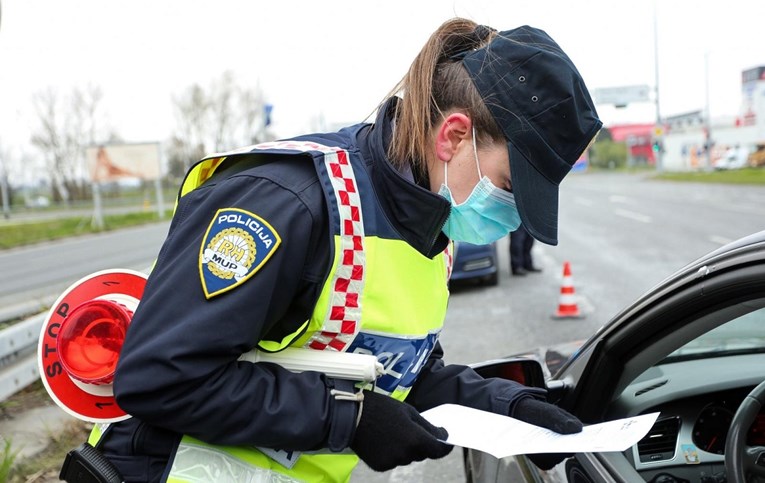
{"x":707,"y":115}
{"x":659,"y":129}
{"x":4,"y":175}
{"x":4,"y":189}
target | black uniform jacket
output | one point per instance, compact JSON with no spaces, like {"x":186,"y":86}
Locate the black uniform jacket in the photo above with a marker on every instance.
{"x":178,"y":371}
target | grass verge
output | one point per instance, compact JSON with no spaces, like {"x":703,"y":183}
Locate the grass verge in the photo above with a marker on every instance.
{"x":55,"y":229}
{"x":749,"y":176}
{"x":44,"y":466}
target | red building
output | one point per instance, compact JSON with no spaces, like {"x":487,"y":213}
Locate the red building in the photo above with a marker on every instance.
{"x":639,"y":140}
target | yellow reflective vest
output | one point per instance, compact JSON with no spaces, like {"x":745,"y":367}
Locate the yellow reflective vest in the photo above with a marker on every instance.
{"x":381,"y":297}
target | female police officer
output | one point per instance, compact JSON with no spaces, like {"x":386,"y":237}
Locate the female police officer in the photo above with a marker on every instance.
{"x":339,"y":242}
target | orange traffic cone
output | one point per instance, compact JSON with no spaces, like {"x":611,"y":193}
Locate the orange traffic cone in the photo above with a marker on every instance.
{"x":567,"y":307}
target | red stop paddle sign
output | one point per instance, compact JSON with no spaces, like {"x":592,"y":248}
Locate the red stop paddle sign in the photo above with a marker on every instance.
{"x":81,"y":339}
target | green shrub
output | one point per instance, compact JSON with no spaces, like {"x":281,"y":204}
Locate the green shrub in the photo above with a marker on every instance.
{"x":607,"y":154}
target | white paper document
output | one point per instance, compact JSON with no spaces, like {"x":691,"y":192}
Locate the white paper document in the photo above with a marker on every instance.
{"x":503,"y":436}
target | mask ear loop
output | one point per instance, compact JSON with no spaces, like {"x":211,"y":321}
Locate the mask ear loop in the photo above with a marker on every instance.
{"x":446,"y":174}
{"x":475,"y":153}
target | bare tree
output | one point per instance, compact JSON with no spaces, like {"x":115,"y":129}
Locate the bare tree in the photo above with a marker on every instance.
{"x":221,"y":118}
{"x":253,"y":116}
{"x":222,"y":110}
{"x":51,"y":138}
{"x":191,"y":112}
{"x":179,"y":155}
{"x":68,"y":124}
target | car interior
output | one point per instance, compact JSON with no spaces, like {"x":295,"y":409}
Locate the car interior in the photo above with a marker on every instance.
{"x":692,"y":350}
{"x":693,"y":355}
{"x":697,"y":388}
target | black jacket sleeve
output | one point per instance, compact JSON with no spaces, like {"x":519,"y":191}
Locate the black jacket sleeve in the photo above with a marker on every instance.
{"x":178,"y":368}
{"x":439,"y":383}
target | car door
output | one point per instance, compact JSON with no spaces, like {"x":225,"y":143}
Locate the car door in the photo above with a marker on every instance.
{"x":610,"y":376}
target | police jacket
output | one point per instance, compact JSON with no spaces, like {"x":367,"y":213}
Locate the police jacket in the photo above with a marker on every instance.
{"x":178,"y":371}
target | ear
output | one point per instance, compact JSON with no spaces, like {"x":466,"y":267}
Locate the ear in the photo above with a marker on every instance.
{"x":455,"y":128}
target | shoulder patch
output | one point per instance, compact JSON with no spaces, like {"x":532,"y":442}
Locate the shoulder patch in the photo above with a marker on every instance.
{"x":237,"y":244}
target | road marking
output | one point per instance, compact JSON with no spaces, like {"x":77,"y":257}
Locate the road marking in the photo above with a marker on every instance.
{"x":720,"y":239}
{"x":633,"y":216}
{"x":583,"y":201}
{"x":617,"y":199}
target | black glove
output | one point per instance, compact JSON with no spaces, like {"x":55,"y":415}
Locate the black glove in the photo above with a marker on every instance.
{"x":550,"y":416}
{"x":391,"y":433}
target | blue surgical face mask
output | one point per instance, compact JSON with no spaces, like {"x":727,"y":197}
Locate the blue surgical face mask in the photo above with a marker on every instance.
{"x":487,"y":215}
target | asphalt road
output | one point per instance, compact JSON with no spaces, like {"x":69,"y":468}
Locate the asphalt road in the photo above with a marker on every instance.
{"x":38,"y":271}
{"x":621,"y":234}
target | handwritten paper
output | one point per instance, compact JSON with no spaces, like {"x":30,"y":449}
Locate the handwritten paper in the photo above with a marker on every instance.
{"x":503,"y":436}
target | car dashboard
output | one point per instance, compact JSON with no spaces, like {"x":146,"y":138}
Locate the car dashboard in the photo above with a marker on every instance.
{"x":697,"y":400}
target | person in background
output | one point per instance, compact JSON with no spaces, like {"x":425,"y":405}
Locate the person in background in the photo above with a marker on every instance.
{"x":521,"y":260}
{"x":340,"y":242}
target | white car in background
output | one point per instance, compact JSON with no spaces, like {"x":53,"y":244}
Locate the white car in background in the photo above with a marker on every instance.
{"x":734,"y":158}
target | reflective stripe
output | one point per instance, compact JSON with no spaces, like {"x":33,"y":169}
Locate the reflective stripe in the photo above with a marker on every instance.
{"x":404,"y":299}
{"x":402,"y":357}
{"x":449,"y":259}
{"x":95,"y":434}
{"x":205,"y":464}
{"x":341,"y":319}
{"x":197,"y":462}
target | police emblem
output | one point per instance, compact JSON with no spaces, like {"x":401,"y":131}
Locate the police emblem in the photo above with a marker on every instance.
{"x":237,"y":244}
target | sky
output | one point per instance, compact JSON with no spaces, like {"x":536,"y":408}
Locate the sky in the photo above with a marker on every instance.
{"x":337,"y":59}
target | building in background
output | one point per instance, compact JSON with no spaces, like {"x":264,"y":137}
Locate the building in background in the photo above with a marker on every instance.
{"x":639,"y":141}
{"x":692,"y":142}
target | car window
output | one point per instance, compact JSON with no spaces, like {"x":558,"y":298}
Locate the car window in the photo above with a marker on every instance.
{"x":744,"y":334}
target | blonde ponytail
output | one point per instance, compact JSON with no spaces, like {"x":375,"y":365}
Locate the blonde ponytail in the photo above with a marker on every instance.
{"x":436,"y":83}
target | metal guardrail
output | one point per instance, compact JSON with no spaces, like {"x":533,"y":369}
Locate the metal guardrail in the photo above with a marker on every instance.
{"x":18,"y":343}
{"x":18,"y":355}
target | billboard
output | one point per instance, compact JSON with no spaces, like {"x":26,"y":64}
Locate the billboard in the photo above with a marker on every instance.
{"x":752,"y":94}
{"x":621,"y":96}
{"x":117,"y":161}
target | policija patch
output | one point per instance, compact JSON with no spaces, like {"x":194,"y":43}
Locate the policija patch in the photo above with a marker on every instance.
{"x":237,"y":244}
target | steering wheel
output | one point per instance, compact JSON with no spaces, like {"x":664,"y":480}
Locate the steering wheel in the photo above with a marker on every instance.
{"x":742,"y":461}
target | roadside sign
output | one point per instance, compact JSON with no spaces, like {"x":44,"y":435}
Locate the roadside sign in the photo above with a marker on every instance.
{"x":622,"y":95}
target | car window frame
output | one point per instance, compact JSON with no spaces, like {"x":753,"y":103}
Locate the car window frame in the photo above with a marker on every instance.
{"x":619,"y":354}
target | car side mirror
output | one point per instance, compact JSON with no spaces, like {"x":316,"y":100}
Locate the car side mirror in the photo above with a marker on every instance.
{"x":519,"y":369}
